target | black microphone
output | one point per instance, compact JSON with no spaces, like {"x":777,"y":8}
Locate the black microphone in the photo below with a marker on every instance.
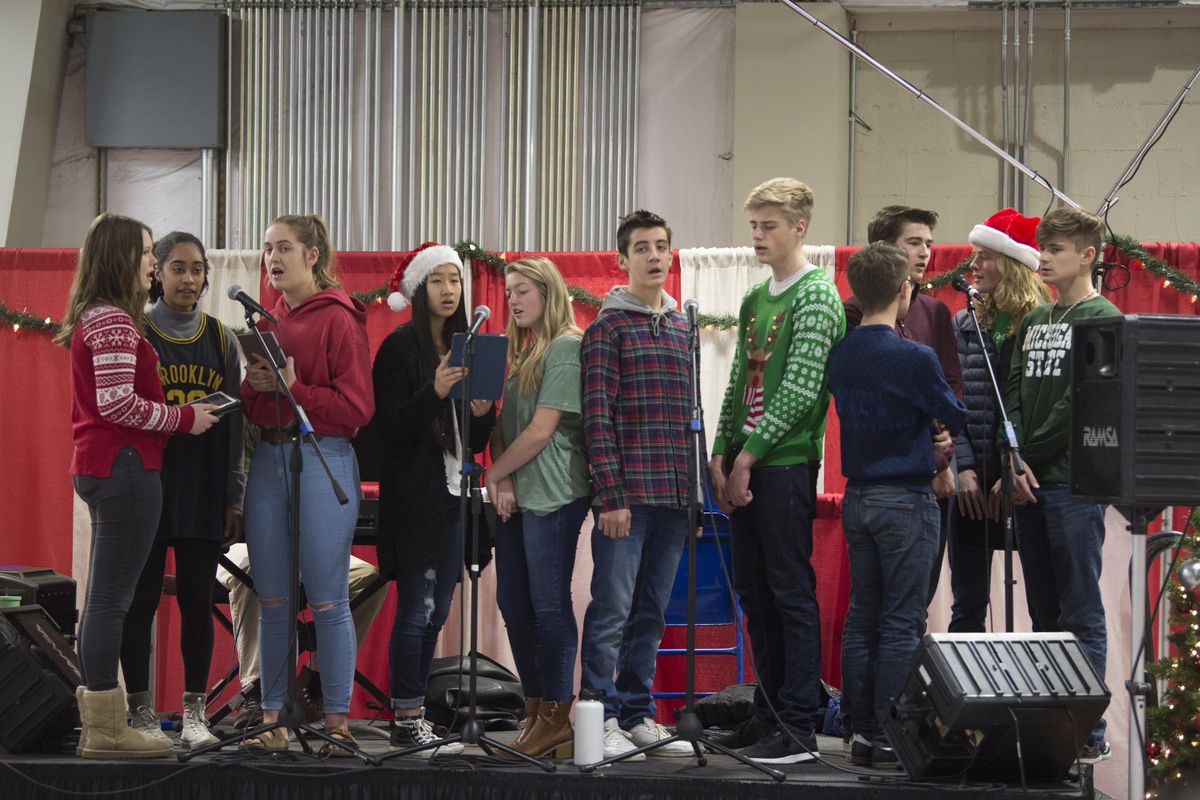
{"x":691,"y":307}
{"x":960,"y":282}
{"x":481,"y":316}
{"x":238,"y":294}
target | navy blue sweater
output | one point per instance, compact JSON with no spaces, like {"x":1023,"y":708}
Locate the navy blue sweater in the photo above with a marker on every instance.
{"x":887,"y":391}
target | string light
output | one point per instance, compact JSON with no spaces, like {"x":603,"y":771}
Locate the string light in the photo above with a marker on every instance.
{"x":1166,"y":283}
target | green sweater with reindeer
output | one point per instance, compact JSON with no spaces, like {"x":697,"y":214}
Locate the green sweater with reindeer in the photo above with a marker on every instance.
{"x":778,"y":390}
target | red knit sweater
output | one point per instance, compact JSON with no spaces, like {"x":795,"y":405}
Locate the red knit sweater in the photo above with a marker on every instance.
{"x":116,"y":394}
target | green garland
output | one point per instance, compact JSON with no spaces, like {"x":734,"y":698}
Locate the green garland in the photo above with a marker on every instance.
{"x":1126,"y":245}
{"x":23,"y":320}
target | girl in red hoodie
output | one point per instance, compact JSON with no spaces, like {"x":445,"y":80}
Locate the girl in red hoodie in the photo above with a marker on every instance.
{"x":322,"y":330}
{"x":120,"y":424}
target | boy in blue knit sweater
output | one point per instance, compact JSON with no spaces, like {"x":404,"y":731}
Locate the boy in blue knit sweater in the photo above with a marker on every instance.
{"x":889,"y":393}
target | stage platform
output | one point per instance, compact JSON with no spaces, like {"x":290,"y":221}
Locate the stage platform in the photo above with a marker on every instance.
{"x":296,"y":776}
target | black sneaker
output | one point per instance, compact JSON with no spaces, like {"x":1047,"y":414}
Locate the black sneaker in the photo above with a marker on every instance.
{"x":884,"y":757}
{"x":415,"y":731}
{"x":860,"y":752}
{"x":745,"y":734}
{"x":780,"y":747}
{"x":1094,"y":752}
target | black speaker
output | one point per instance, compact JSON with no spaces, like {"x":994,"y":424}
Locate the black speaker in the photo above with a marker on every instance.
{"x":1000,"y":707}
{"x":38,"y":676}
{"x":1135,"y":394}
{"x":43,"y":586}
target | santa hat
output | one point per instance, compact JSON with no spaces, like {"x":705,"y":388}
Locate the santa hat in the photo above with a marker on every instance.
{"x":1009,"y":233}
{"x":412,"y":271}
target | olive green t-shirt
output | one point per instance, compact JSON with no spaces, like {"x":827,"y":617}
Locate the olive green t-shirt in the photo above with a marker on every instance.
{"x":559,"y":473}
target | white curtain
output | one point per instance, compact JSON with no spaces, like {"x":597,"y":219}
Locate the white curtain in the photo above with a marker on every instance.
{"x":719,"y":277}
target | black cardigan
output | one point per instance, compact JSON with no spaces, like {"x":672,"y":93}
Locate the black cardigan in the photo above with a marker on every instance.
{"x":413,"y":523}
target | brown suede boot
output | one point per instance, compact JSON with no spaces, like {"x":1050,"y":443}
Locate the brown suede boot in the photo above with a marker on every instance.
{"x":106,"y":733}
{"x":553,"y":729}
{"x":532,"y":704}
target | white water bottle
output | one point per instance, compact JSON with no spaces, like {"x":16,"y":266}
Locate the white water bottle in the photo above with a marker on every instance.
{"x":589,"y":727}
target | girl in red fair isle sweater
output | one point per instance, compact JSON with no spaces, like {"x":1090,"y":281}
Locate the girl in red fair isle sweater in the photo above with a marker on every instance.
{"x":120,"y":425}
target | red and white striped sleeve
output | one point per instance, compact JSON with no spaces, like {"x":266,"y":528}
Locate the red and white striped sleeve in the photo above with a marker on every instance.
{"x":113,"y":340}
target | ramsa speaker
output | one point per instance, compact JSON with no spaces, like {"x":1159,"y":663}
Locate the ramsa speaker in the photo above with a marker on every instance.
{"x":1000,"y":707}
{"x":38,"y":676}
{"x":1135,"y":411}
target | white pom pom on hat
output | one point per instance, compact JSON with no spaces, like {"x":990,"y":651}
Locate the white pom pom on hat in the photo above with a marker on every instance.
{"x":410,"y":273}
{"x":1010,"y":233}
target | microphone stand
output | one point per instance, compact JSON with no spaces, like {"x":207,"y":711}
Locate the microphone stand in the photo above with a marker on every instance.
{"x":290,"y":716}
{"x":689,"y":728}
{"x":470,"y":507}
{"x":1010,"y":462}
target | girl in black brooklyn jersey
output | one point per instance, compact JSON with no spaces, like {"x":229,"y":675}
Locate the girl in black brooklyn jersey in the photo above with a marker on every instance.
{"x":202,"y":479}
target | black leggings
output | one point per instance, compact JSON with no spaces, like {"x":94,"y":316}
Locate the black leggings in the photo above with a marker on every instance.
{"x":195,"y":576}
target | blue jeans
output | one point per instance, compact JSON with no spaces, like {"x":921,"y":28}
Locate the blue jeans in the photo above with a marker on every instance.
{"x":1061,"y":545}
{"x":423,"y":596}
{"x":326,"y":532}
{"x":535,"y":558}
{"x":777,"y":588}
{"x":623,"y":626}
{"x":892,"y":538}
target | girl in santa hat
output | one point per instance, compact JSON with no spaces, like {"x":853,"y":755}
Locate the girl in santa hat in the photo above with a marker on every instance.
{"x":420,"y":534}
{"x":1004,"y":270}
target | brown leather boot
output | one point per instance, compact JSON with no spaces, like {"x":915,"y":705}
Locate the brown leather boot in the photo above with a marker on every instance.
{"x":553,"y":729}
{"x":532,"y":705}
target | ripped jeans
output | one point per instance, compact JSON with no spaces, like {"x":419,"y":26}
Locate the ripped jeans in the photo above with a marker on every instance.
{"x":423,"y":597}
{"x":326,"y":531}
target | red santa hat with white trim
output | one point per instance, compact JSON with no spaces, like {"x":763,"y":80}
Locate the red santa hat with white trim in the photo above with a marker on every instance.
{"x":412,"y":271}
{"x":1009,"y":233}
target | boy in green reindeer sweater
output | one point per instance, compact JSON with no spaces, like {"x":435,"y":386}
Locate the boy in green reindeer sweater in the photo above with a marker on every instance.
{"x":768,"y":441}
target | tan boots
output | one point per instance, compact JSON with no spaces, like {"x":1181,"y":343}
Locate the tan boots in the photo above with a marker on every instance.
{"x":550,"y":728}
{"x":105,"y":732}
{"x":531,"y":716}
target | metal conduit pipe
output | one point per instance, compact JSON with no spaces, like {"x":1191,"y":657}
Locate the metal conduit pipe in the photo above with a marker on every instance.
{"x":851,"y":135}
{"x":586,"y":113}
{"x":324,"y":154}
{"x":242,"y":117}
{"x":346,"y":151}
{"x":478,"y":125}
{"x":635,"y":94}
{"x":394,"y":124}
{"x":292,"y":161}
{"x":278,"y":130}
{"x":1066,"y":146}
{"x":605,"y":128}
{"x":226,"y":239}
{"x":375,"y":105}
{"x":545,"y":114}
{"x":1016,"y":99}
{"x":531,"y":144}
{"x":410,"y":231}
{"x":1005,"y":170}
{"x":365,"y":159}
{"x":1025,"y":117}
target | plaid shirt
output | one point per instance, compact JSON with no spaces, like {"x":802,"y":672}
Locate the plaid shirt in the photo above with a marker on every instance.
{"x":637,"y":408}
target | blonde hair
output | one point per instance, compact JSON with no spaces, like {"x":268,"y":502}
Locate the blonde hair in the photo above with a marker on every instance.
{"x":311,"y":231}
{"x":794,"y":198}
{"x":1018,"y":292}
{"x":527,"y":348}
{"x":107,"y":272}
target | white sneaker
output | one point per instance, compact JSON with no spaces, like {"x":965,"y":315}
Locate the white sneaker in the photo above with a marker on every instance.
{"x":616,"y":742}
{"x":144,"y":719}
{"x":195,"y":726}
{"x":648,"y":732}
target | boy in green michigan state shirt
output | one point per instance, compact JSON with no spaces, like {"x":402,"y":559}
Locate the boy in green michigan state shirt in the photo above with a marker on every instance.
{"x":1060,"y":542}
{"x":769,"y":440}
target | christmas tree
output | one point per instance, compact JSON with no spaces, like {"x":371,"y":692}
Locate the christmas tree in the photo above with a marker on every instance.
{"x":1173,"y":726}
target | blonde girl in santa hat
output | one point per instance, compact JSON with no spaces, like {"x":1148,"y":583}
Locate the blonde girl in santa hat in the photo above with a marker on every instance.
{"x":1003,"y":269}
{"x":420,"y":534}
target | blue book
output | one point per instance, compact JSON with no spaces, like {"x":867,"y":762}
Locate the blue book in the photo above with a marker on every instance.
{"x":487,"y":370}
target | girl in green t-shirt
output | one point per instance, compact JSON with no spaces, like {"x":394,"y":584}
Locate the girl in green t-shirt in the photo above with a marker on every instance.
{"x":539,"y":484}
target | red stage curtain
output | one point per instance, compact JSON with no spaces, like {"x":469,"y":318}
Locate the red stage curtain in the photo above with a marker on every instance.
{"x":35,"y":414}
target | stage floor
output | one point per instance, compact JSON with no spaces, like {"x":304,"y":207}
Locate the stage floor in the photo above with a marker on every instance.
{"x":298,"y":776}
